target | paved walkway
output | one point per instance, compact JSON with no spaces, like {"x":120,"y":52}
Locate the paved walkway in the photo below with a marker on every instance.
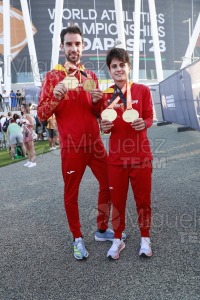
{"x":36,"y":260}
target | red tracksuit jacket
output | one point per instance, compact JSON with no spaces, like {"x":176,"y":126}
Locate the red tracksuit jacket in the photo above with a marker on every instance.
{"x":75,"y":113}
{"x":126,"y":145}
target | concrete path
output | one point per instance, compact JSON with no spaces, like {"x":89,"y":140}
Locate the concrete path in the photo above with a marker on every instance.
{"x":36,"y":260}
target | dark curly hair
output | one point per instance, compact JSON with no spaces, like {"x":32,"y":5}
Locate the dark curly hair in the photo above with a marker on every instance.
{"x":70,"y":29}
{"x":16,"y":116}
{"x":119,"y":54}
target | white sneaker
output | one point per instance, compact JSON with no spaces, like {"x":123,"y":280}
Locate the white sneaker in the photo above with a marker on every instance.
{"x":27,"y":164}
{"x":117,"y":246}
{"x":32,"y":164}
{"x":80,"y":251}
{"x":108,"y":235}
{"x":145,"y":247}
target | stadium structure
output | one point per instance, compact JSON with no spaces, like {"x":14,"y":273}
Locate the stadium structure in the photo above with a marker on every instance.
{"x":162,"y":38}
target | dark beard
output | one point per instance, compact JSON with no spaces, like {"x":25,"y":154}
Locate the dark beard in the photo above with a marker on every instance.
{"x":73,"y":61}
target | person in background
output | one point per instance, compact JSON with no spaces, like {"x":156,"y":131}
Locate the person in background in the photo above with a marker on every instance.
{"x":6,"y":120}
{"x":130,"y":157}
{"x":38,"y":129}
{"x":52,"y":132}
{"x":79,"y":137}
{"x":15,"y":136}
{"x":6,"y":99}
{"x":23,"y":97}
{"x":19,"y":99}
{"x":3,"y":138}
{"x":1,"y":134}
{"x":27,"y":122}
{"x":13,"y":98}
{"x":1,"y":102}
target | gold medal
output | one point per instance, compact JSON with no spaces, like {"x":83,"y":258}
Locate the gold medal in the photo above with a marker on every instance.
{"x":109,"y":114}
{"x":70,"y":82}
{"x":130,"y":115}
{"x":89,"y":84}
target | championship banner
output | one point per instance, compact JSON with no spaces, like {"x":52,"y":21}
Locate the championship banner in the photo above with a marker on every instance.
{"x":97,"y":20}
{"x":180,"y":97}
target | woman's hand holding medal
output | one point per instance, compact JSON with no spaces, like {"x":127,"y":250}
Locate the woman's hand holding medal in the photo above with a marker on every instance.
{"x":138,"y":124}
{"x":106,"y":125}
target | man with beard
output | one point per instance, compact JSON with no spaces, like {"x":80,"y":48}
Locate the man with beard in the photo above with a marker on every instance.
{"x":66,"y":93}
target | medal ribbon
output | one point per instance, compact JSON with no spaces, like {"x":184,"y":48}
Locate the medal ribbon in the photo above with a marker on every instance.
{"x":119,"y":94}
{"x":72,"y":70}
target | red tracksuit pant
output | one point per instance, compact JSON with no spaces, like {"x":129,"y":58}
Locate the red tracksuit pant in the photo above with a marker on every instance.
{"x":140,"y":179}
{"x":74,"y":163}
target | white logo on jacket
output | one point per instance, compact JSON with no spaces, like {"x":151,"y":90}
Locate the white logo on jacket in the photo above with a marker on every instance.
{"x":70,"y":172}
{"x":121,"y":104}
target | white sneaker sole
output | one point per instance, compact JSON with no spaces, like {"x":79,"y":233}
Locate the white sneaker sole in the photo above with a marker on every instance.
{"x":97,"y":239}
{"x":145,"y":254}
{"x":32,"y":166}
{"x":83,"y":258}
{"x":117,"y":256}
{"x":27,"y":164}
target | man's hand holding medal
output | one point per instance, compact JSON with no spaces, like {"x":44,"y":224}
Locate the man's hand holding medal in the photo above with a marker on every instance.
{"x":60,"y":90}
{"x":96,"y":94}
{"x":70,"y":82}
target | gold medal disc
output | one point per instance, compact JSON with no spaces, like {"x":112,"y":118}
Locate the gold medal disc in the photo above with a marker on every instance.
{"x":109,"y":114}
{"x":70,"y":82}
{"x":130,"y":115}
{"x":88,"y":85}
